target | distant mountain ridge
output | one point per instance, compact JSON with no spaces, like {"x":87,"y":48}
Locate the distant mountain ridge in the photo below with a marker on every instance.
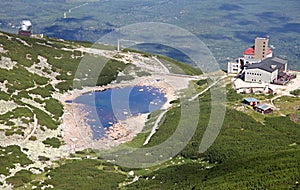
{"x":226,"y":27}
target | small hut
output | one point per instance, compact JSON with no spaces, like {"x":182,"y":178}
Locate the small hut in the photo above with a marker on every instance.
{"x":263,"y":108}
{"x":251,"y":101}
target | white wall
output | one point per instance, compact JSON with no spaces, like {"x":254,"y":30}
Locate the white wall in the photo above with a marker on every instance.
{"x":259,"y":75}
{"x":233,"y":67}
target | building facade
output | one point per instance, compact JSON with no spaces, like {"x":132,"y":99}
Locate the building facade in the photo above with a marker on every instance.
{"x":259,"y":51}
{"x":263,"y":108}
{"x":261,"y":48}
{"x":235,"y":67}
{"x":255,"y":54}
{"x":260,"y":75}
{"x":267,"y":71}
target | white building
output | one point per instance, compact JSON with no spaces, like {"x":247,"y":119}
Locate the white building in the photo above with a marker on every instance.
{"x":235,"y":67}
{"x":255,"y":54}
{"x":259,"y":51}
{"x":25,"y":28}
{"x":267,"y":71}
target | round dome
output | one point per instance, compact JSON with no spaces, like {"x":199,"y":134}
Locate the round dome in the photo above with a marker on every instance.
{"x":25,"y":25}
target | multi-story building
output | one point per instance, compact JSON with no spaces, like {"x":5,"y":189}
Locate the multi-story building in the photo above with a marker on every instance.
{"x":268,"y":71}
{"x":254,"y":54}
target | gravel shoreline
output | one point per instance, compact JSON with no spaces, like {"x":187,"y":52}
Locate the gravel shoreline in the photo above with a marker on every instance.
{"x":77,"y":133}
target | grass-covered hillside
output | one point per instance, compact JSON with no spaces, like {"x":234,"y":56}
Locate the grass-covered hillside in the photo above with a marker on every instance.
{"x":252,"y":151}
{"x":34,"y":74}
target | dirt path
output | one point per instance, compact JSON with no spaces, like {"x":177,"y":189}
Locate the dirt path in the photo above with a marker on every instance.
{"x":166,"y":70}
{"x":209,"y":87}
{"x":35,"y":125}
{"x":73,"y":8}
{"x":276,"y":97}
{"x":155,"y":126}
{"x":285,"y":90}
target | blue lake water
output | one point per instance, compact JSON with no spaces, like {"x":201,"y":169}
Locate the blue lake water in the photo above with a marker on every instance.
{"x":107,"y":107}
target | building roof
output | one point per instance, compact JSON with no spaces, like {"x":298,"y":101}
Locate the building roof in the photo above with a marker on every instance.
{"x":251,"y":100}
{"x":250,"y":51}
{"x":270,"y":64}
{"x":25,"y":25}
{"x":263,"y":107}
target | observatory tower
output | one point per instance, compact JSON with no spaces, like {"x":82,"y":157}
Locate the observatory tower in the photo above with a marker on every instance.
{"x":25,"y":28}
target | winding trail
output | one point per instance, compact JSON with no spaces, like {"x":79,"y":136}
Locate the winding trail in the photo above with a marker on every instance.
{"x":166,"y":70}
{"x":209,"y":87}
{"x":272,"y":103}
{"x":35,"y":125}
{"x":276,"y":97}
{"x":155,"y":126}
{"x":71,"y":9}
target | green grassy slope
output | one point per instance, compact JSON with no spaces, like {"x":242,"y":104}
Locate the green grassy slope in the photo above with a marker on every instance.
{"x":251,"y":151}
{"x":246,"y":155}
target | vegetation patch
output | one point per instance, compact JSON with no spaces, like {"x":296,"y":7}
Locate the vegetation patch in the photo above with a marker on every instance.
{"x":20,"y":178}
{"x":201,"y":82}
{"x":53,"y":142}
{"x":289,"y":106}
{"x":54,"y":107}
{"x":241,"y":140}
{"x":45,"y":120}
{"x":43,"y":158}
{"x":14,"y":131}
{"x":43,"y":91}
{"x":4,"y":96}
{"x":18,"y":113}
{"x":11,"y":155}
{"x":33,"y":138}
{"x":296,"y":92}
{"x":89,"y":174}
{"x":142,"y":73}
{"x":178,"y":67}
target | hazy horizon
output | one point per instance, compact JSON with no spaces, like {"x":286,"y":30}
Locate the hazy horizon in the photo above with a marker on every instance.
{"x":226,"y":27}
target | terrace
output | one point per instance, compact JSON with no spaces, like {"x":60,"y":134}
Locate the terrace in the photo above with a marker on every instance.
{"x":284,"y":79}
